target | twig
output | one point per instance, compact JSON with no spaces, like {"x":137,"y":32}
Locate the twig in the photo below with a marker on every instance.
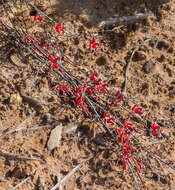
{"x":59,"y":180}
{"x":19,"y":128}
{"x":125,"y":19}
{"x":135,"y":179}
{"x":68,"y":175}
{"x":8,"y":81}
{"x":20,"y":184}
{"x":15,"y":156}
{"x":123,"y":88}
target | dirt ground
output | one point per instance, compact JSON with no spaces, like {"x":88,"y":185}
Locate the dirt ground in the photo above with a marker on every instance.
{"x":151,"y":77}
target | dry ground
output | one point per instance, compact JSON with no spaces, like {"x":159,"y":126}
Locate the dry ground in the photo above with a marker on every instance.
{"x":152,"y":76}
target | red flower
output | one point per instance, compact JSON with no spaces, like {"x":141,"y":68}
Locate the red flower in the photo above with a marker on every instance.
{"x":66,"y":88}
{"x":29,"y":37}
{"x":138,"y":110}
{"x":93,"y":44}
{"x":55,"y":87}
{"x":128,"y":126}
{"x":110,"y":120}
{"x":140,"y":165}
{"x":88,"y":90}
{"x":53,"y":60}
{"x":86,"y":110}
{"x":155,"y":129}
{"x":124,"y":163}
{"x":120,"y":96}
{"x":37,"y":17}
{"x":105,"y":114}
{"x":79,"y":101}
{"x":93,"y":77}
{"x":59,"y":29}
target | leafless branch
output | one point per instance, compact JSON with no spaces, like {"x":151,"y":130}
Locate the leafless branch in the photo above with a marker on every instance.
{"x":125,"y":19}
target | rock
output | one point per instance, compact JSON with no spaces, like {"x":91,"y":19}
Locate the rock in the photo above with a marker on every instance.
{"x":163,"y":44}
{"x":161,"y":59}
{"x":139,"y":56}
{"x":47,"y":117}
{"x":101,"y":61}
{"x":15,"y":99}
{"x":55,"y":137}
{"x":152,"y":42}
{"x":148,"y":67}
{"x":143,"y":48}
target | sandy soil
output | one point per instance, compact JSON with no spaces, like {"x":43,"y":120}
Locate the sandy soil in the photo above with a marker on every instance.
{"x":151,"y":75}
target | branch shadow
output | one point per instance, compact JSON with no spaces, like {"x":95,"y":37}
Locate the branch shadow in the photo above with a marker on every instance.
{"x":99,"y":10}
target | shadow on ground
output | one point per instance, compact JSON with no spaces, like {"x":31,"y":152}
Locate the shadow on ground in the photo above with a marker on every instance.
{"x":98,"y":10}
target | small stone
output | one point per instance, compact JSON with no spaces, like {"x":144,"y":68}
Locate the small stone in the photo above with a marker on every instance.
{"x":139,"y":56}
{"x":152,"y":42}
{"x":15,"y":99}
{"x":163,"y":44}
{"x":47,"y":117}
{"x":101,"y":61}
{"x":161,"y":59}
{"x":172,"y":93}
{"x":148,"y":67}
{"x":143,"y":48}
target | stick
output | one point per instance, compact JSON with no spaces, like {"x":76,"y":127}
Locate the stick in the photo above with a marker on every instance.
{"x":8,"y":81}
{"x":15,"y":156}
{"x":124,"y":19}
{"x":123,"y":91}
{"x":135,"y":179}
{"x":68,"y":175}
{"x":20,"y":184}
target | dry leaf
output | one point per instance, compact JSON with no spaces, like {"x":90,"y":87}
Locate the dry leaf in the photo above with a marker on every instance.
{"x":55,"y":137}
{"x":70,"y":128}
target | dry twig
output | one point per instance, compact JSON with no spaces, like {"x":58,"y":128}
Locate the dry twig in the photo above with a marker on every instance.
{"x":68,"y":175}
{"x":20,"y":184}
{"x":125,"y":19}
{"x":15,"y":156}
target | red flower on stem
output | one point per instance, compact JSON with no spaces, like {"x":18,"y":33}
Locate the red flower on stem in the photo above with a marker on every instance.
{"x":86,"y":110}
{"x":156,"y":129}
{"x":55,"y":87}
{"x":93,"y":44}
{"x":105,"y":114}
{"x":59,"y":29}
{"x":29,"y":37}
{"x":128,"y":126}
{"x":139,"y":164}
{"x":78,"y":98}
{"x":120,"y":96}
{"x":37,"y":17}
{"x":111,"y":120}
{"x":66,"y":88}
{"x":93,"y":77}
{"x":136,"y":109}
{"x":124,"y":163}
{"x":53,"y":64}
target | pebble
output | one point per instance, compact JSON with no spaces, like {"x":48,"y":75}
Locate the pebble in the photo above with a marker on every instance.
{"x":143,"y":48}
{"x":47,"y":117}
{"x":101,"y":61}
{"x":163,"y":44}
{"x":139,"y":56}
{"x":148,"y":67}
{"x":161,"y":59}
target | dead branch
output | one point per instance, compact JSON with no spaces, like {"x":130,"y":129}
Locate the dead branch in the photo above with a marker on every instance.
{"x":18,"y":157}
{"x":124,"y":20}
{"x":68,"y":175}
{"x":20,"y":184}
